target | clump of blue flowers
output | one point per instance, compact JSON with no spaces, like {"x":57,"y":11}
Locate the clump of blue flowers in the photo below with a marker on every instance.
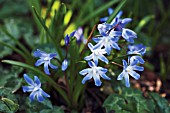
{"x":35,"y":88}
{"x":110,"y":34}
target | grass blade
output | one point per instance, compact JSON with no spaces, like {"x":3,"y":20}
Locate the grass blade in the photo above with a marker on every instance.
{"x":117,"y":9}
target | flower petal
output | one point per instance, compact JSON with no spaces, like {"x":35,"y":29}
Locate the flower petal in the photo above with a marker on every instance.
{"x":124,"y":64}
{"x":134,"y":75}
{"x":121,"y":75}
{"x":85,"y":71}
{"x":52,"y":55}
{"x":53,"y":66}
{"x":104,"y":76}
{"x":27,"y":88}
{"x":39,"y":62}
{"x":110,"y":11}
{"x":115,"y":46}
{"x":44,"y":93}
{"x":127,"y":80}
{"x":39,"y":97}
{"x":28,"y":80}
{"x":37,"y":81}
{"x":91,"y":63}
{"x":97,"y":80}
{"x":32,"y":95}
{"x":103,"y":58}
{"x":138,"y":68}
{"x":87,"y":77}
{"x":64,"y":65}
{"x":46,"y":69}
{"x":87,"y":58}
{"x":90,"y":46}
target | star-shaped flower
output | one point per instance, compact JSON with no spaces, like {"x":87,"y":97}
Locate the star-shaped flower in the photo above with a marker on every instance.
{"x":96,"y":54}
{"x":129,"y":70}
{"x":34,"y":88}
{"x":45,"y":58}
{"x":95,"y":73}
{"x":108,"y":41}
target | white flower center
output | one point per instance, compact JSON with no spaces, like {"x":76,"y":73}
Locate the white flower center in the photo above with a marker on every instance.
{"x":128,"y":69}
{"x":46,"y":58}
{"x":94,"y":71}
{"x":36,"y":88}
{"x":96,"y":53}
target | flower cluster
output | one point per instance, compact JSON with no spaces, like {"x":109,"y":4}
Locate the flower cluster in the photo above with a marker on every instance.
{"x":108,"y":39}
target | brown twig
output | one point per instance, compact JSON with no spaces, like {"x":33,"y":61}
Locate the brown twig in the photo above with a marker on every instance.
{"x":89,"y":38}
{"x":116,"y":64}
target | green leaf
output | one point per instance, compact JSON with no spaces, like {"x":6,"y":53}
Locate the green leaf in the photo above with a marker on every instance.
{"x":8,"y":102}
{"x":130,"y":100}
{"x":117,"y":9}
{"x":39,"y":73}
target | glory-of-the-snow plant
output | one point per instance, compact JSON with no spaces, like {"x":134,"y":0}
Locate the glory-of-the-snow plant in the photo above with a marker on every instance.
{"x":108,"y":39}
{"x":105,"y":42}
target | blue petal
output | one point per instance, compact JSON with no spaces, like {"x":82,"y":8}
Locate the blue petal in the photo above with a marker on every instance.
{"x":67,"y":40}
{"x":90,"y":46}
{"x":138,"y":68}
{"x":39,"y":97}
{"x":96,"y":39}
{"x":52,"y":55}
{"x":115,"y":39}
{"x":95,"y":59}
{"x":127,"y":80}
{"x":132,"y":60}
{"x":125,"y":21}
{"x":52,"y":66}
{"x":84,"y":71}
{"x":108,"y":49}
{"x":27,"y":88}
{"x":44,"y":93}
{"x":104,"y":70}
{"x":87,"y":58}
{"x":115,"y":33}
{"x":39,"y":53}
{"x":128,"y":35}
{"x":72,"y":34}
{"x":91,"y":63}
{"x":115,"y":46}
{"x":28,"y":80}
{"x":119,"y":14}
{"x":105,"y":77}
{"x":39,"y":62}
{"x":98,"y":45}
{"x":140,"y":59}
{"x":32,"y":95}
{"x":64,"y":65}
{"x":97,"y":80}
{"x":134,"y":75}
{"x":124,"y":64}
{"x":46,"y":68}
{"x":37,"y":81}
{"x":121,"y":75}
{"x":87,"y":77}
{"x":104,"y":19}
{"x":103,"y":58}
{"x":110,"y":11}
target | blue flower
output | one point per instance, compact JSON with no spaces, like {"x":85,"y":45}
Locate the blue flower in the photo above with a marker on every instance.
{"x":128,"y":35}
{"x":34,"y":88}
{"x":79,"y":36}
{"x":45,"y":58}
{"x":95,"y":73}
{"x":108,"y":41}
{"x":110,"y":11}
{"x":64,"y":65}
{"x":96,"y":54}
{"x":129,"y":70}
{"x":67,"y":38}
{"x":139,"y":49}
